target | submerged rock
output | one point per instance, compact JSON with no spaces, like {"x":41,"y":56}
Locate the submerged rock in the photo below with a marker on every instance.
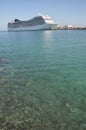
{"x":4,"y":61}
{"x":1,"y":69}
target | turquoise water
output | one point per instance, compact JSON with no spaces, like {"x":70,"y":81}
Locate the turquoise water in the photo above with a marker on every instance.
{"x":43,"y":80}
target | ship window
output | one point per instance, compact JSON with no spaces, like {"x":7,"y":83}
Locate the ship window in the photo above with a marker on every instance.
{"x":49,"y":27}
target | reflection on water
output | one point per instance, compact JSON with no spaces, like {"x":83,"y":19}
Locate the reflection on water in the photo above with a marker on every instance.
{"x":47,"y":37}
{"x":43,"y":87}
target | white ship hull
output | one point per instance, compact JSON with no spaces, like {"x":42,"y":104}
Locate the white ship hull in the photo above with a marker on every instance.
{"x":37,"y":27}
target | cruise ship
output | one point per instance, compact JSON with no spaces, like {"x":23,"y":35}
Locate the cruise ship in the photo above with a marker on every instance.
{"x":39,"y":22}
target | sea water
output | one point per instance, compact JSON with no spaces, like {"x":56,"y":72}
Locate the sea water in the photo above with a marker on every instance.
{"x":43,"y":80}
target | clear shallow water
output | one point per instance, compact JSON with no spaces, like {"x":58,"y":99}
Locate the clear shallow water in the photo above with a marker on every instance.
{"x":43,"y":80}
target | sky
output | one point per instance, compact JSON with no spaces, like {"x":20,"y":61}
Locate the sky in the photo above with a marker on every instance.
{"x":63,"y":12}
